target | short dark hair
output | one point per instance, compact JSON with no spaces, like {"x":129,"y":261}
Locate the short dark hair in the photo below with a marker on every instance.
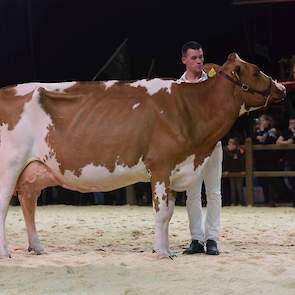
{"x":190,"y":45}
{"x":234,"y":140}
{"x":268,"y":118}
{"x":292,"y":117}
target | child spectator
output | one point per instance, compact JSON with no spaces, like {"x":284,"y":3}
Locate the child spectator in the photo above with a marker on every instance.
{"x":234,"y":161}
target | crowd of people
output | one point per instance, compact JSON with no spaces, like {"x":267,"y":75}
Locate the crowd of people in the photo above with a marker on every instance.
{"x":273,"y":189}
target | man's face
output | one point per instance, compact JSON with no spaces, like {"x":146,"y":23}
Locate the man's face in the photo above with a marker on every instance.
{"x":264,"y":123}
{"x":193,"y":60}
{"x":232,"y":145}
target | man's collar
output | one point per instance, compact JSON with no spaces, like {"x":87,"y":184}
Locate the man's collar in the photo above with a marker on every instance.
{"x":203,"y":77}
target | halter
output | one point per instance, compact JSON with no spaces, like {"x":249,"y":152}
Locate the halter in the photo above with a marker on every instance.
{"x":247,"y":88}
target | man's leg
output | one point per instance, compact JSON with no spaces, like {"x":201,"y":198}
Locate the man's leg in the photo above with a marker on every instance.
{"x":232,"y":191}
{"x":194,"y":210}
{"x":240,"y":181}
{"x":212,"y":179}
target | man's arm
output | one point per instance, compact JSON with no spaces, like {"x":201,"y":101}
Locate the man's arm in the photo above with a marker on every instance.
{"x":281,"y":140}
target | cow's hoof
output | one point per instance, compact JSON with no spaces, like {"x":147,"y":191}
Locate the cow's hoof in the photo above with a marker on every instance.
{"x":37,"y":251}
{"x":4,"y":253}
{"x":160,"y":254}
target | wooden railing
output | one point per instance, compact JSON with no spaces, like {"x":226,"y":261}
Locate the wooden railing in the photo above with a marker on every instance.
{"x":249,"y":173}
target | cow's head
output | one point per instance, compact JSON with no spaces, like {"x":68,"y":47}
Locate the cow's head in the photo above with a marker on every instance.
{"x":255,"y":88}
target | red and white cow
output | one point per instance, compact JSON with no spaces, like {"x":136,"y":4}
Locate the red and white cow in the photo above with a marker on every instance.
{"x":99,"y":136}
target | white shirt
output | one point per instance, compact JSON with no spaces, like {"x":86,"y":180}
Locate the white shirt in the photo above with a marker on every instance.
{"x":183,"y":78}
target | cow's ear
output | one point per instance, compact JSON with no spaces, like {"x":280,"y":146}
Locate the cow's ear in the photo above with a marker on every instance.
{"x":233,"y":56}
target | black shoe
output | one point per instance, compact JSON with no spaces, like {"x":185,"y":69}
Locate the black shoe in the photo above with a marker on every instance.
{"x":195,"y":247}
{"x":211,"y":247}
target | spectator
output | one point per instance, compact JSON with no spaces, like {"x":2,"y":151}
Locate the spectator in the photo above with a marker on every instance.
{"x":143,"y":193}
{"x":265,"y":133}
{"x":288,"y":137}
{"x":234,"y":161}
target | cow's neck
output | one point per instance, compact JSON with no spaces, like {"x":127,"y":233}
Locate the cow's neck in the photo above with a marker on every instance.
{"x":213,"y":111}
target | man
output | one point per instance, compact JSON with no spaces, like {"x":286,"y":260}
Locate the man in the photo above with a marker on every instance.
{"x":234,"y":161}
{"x":203,"y":233}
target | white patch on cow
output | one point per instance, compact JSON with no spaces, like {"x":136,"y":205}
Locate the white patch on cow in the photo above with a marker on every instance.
{"x":99,"y":178}
{"x":242,"y":110}
{"x":184,"y":174}
{"x":160,"y":189}
{"x":35,"y":124}
{"x":154,"y":85}
{"x":251,"y":109}
{"x":109,"y":84}
{"x":23,"y":89}
{"x":135,"y":106}
{"x":60,"y":87}
{"x":19,"y":145}
{"x":161,"y":112}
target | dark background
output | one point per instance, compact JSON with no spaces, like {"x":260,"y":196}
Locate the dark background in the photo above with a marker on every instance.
{"x":53,"y":40}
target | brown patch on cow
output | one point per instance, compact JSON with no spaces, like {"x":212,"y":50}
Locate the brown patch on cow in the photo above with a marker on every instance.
{"x":12,"y":106}
{"x":156,"y":202}
{"x":94,"y":126}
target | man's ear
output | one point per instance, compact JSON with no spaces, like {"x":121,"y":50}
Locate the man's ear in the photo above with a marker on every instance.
{"x":183,"y":59}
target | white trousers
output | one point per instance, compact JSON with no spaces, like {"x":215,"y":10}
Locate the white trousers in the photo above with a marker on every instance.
{"x":211,"y":175}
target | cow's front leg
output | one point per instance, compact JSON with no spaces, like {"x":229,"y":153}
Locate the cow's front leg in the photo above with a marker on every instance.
{"x":6,"y":191}
{"x":28,"y":203}
{"x":163,"y":207}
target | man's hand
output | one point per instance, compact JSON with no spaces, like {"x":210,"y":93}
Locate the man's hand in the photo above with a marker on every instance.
{"x":260,"y":138}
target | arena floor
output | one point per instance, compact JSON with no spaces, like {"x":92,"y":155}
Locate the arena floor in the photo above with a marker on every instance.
{"x":107,"y":250}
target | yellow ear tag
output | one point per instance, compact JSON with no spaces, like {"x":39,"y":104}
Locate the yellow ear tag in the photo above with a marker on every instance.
{"x":212,"y":73}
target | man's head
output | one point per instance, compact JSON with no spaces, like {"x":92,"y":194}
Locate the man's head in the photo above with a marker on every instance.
{"x":265,"y":121}
{"x":192,"y":57}
{"x":233,"y":144}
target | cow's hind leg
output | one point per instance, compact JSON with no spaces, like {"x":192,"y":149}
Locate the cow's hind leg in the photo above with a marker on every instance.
{"x":28,"y":203}
{"x":163,"y":206}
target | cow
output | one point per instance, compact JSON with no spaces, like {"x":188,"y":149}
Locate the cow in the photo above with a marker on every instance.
{"x":100,"y":136}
